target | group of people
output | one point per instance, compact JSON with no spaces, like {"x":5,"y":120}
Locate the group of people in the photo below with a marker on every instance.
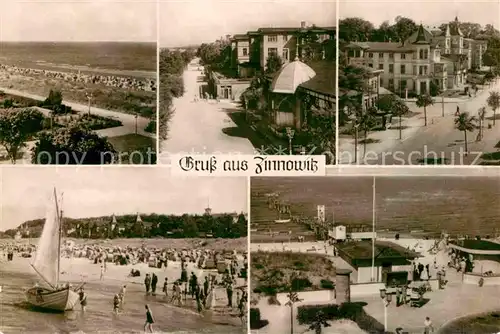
{"x":131,"y":83}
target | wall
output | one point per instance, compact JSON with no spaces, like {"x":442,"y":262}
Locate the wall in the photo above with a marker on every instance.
{"x":474,"y":279}
{"x":310,"y":297}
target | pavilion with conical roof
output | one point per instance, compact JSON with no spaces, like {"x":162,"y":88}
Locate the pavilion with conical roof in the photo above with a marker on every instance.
{"x":298,"y":86}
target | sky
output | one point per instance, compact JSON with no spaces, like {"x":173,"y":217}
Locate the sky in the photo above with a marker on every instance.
{"x":78,"y":20}
{"x":203,"y":21}
{"x":96,"y":191}
{"x":427,"y":12}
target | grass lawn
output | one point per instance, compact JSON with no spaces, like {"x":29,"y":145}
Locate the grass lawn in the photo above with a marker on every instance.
{"x":314,"y":267}
{"x":135,"y":149}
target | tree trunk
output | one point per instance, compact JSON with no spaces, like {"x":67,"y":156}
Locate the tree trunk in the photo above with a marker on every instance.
{"x":400,"y":129}
{"x":494,"y":115}
{"x":364,"y":143}
{"x":465,"y":135}
{"x":291,"y":319}
{"x":425,"y":116}
{"x":356,"y":145}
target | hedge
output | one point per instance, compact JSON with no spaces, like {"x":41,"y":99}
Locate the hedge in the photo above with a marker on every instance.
{"x":254,"y":318}
{"x":352,"y":311}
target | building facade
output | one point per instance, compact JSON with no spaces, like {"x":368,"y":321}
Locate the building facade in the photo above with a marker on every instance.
{"x":428,"y":56}
{"x":252,"y":49}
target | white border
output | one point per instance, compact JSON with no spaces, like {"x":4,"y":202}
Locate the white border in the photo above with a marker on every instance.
{"x":249,"y":290}
{"x":421,"y":171}
{"x":157,"y":82}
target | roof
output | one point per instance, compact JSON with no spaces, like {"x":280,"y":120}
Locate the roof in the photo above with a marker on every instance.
{"x":421,"y":36}
{"x":291,"y":76}
{"x":277,"y":30}
{"x":325,"y":80}
{"x":382,"y":46}
{"x":240,"y":37}
{"x":477,"y":246}
{"x":455,"y":28}
{"x":362,"y":250}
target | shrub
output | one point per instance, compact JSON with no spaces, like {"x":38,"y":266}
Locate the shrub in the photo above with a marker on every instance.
{"x":327,"y":284}
{"x":151,"y":127}
{"x":307,"y":314}
{"x":300,"y":284}
{"x":254,"y":318}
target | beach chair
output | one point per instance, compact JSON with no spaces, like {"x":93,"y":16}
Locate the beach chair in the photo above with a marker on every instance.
{"x":415,"y":298}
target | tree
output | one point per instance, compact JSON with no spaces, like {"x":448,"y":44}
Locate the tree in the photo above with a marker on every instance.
{"x":74,"y":144}
{"x":293,"y":297}
{"x":366,"y":123}
{"x":355,"y":29}
{"x":403,"y":28}
{"x":400,"y":109}
{"x":54,"y":99}
{"x":273,"y":63}
{"x":493,"y":102}
{"x":16,"y":127}
{"x":319,"y":322}
{"x":321,"y":132}
{"x":465,"y":123}
{"x":423,"y":101}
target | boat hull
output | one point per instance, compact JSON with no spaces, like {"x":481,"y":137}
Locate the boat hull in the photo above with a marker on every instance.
{"x":56,"y":300}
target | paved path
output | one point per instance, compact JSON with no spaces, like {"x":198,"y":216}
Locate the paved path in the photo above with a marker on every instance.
{"x":196,"y":127}
{"x":438,"y":138}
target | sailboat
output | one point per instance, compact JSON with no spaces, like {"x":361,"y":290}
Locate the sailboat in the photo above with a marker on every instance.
{"x":50,"y":294}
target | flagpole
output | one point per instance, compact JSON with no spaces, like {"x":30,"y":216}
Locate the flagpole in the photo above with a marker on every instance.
{"x":373,"y":233}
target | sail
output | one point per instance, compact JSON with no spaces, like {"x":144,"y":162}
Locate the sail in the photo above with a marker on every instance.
{"x":46,"y":262}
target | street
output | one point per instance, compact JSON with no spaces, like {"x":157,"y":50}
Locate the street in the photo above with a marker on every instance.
{"x":196,"y":127}
{"x":439,"y":140}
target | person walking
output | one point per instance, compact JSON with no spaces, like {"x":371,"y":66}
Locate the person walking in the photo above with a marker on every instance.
{"x":83,"y":299}
{"x":102,"y":272}
{"x":154,"y":282}
{"x":165,"y":287}
{"x":428,"y":326}
{"x":147,"y":283}
{"x":229,"y":291}
{"x":122,"y":295}
{"x":116,"y":303}
{"x":149,"y":320}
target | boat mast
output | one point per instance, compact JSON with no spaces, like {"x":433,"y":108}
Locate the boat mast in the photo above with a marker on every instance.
{"x":59,"y":220}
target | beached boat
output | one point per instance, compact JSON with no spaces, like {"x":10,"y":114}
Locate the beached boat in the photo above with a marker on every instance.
{"x":50,"y":294}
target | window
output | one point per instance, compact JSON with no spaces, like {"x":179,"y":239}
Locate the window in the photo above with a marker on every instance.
{"x":370,"y":54}
{"x":403,"y":69}
{"x":391,"y":82}
{"x":271,"y":51}
{"x":421,"y":54}
{"x":414,"y":69}
{"x":380,"y":55}
{"x":391,"y":68}
{"x":391,"y":55}
{"x":272,"y":38}
{"x":285,"y":54}
{"x":403,"y":56}
{"x":422,"y":70}
{"x":403,"y":84}
{"x":381,"y":82}
{"x":285,"y":38}
{"x":380,"y":66}
{"x":370,"y":65}
{"x":426,"y":54}
{"x":245,"y":52}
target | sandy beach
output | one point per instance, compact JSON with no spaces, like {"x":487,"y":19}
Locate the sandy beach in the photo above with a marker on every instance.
{"x":17,"y":275}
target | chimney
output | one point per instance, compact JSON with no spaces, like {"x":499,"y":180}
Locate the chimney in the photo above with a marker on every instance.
{"x":303,"y":24}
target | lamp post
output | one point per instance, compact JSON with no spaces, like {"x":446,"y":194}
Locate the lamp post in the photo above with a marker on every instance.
{"x":290,"y":133}
{"x":356,"y":134}
{"x":386,"y":300}
{"x":89,"y":97}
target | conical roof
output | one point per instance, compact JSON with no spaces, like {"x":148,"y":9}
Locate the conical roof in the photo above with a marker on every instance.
{"x":138,"y":219}
{"x":291,"y":76}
